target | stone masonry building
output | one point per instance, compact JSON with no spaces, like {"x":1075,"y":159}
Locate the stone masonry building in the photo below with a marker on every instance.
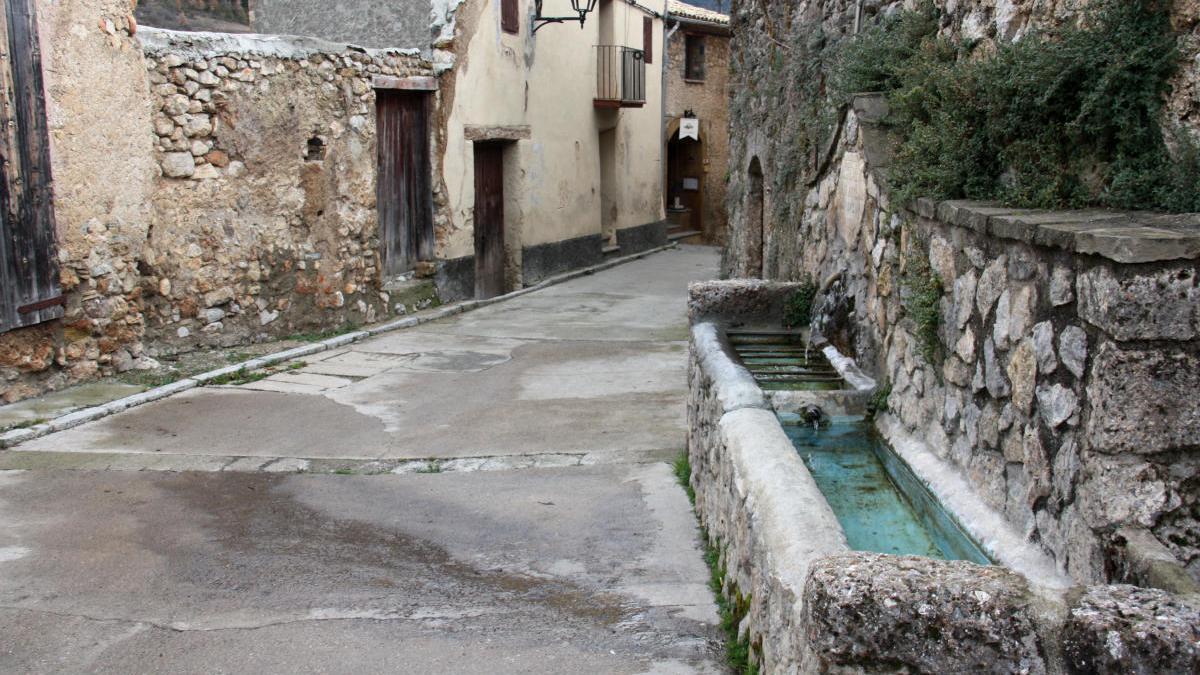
{"x":215,"y":189}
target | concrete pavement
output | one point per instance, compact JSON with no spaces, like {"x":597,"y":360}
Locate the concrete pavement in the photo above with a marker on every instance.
{"x":520,"y":516}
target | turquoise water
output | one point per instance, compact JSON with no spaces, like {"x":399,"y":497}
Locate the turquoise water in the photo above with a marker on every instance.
{"x":880,"y":504}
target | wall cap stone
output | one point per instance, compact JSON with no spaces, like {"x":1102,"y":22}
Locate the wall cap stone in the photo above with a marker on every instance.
{"x":1121,"y":236}
{"x":734,"y":385}
{"x":160,"y":41}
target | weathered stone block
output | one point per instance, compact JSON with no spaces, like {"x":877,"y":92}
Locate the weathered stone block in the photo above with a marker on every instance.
{"x":1144,"y":400}
{"x":879,"y":612}
{"x":1022,"y":373}
{"x":1124,"y":629}
{"x":1162,"y":305}
{"x":1056,"y":404}
{"x":1043,"y":342}
{"x":991,"y":284}
{"x":178,"y":164}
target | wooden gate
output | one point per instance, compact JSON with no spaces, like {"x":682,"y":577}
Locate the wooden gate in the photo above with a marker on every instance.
{"x":489,"y":219}
{"x":29,"y":285}
{"x":403,"y":184}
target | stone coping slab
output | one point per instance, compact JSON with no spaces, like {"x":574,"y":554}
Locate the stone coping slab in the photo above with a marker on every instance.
{"x":17,"y":436}
{"x":735,"y":386}
{"x":198,"y":44}
{"x":1121,"y":236}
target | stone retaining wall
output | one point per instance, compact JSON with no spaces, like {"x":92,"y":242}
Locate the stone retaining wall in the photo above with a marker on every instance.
{"x":1061,"y":376}
{"x":1061,"y":372}
{"x":814,"y":606}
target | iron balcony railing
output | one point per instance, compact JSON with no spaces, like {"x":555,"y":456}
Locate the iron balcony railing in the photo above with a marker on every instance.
{"x":620,"y":76}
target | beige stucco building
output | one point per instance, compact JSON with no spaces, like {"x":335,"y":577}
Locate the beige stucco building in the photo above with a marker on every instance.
{"x":215,"y":189}
{"x":697,"y":131}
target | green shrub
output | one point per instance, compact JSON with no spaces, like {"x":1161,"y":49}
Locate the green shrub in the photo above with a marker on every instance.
{"x":1059,"y":119}
{"x":922,"y":295}
{"x":797,"y":309}
{"x":879,"y":399}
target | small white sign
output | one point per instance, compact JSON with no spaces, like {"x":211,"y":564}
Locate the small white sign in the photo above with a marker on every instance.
{"x":691,"y":183}
{"x":689,"y":127}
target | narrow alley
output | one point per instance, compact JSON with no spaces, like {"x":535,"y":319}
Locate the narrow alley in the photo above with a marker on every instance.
{"x":491,"y":491}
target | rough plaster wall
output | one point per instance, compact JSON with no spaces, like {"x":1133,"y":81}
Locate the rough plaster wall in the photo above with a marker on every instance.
{"x":1068,"y":482}
{"x":710,"y":101}
{"x":368,"y":23}
{"x":103,"y":172}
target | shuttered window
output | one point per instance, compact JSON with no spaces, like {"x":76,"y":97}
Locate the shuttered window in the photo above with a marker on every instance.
{"x":648,"y":39}
{"x":29,"y":288}
{"x":509,"y":22}
{"x":693,"y":67}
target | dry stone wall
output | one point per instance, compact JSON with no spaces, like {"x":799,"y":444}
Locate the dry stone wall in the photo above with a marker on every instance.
{"x":210,"y":190}
{"x":1060,"y":377}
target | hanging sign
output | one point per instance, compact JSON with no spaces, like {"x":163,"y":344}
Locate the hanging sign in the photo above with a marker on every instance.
{"x":689,"y":127}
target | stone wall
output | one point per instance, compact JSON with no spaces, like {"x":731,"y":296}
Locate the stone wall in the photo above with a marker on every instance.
{"x":265,"y":215}
{"x":190,"y":209}
{"x":1060,"y":376}
{"x":813,"y":606}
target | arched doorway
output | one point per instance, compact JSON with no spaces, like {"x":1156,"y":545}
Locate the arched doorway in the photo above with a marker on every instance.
{"x":755,"y":204}
{"x":685,"y":182}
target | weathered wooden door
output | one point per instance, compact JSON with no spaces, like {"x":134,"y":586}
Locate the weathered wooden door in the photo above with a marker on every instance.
{"x":403,"y":185}
{"x":489,"y":220}
{"x":29,"y":285}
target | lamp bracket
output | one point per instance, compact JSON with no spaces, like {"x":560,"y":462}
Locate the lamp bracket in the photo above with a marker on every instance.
{"x":539,"y":20}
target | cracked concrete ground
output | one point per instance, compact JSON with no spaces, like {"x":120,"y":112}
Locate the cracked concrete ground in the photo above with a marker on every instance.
{"x":210,"y":552}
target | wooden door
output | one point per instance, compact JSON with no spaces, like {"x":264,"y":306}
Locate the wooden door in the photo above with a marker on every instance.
{"x":489,"y":220}
{"x":403,"y":184}
{"x":29,"y":284}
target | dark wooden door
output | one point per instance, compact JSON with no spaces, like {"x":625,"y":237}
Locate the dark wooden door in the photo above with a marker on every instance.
{"x":489,"y":220}
{"x":29,"y":284}
{"x":403,"y":188}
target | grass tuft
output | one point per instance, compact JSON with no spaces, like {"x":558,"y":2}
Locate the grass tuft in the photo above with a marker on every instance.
{"x":739,"y":653}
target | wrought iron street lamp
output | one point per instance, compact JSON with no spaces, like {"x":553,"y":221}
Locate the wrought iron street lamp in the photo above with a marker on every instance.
{"x":580,"y":7}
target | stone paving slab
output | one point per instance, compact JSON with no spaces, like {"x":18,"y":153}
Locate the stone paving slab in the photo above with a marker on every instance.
{"x":311,"y":379}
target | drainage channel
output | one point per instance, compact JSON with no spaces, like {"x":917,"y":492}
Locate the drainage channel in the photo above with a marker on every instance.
{"x":882,"y":506}
{"x":782,"y":361}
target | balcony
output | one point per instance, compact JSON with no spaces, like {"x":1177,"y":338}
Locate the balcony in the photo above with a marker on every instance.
{"x":620,"y":77}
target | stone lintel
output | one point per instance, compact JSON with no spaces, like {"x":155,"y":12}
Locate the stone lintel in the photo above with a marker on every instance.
{"x":415,"y":83}
{"x":512,"y":132}
{"x":1121,"y":236}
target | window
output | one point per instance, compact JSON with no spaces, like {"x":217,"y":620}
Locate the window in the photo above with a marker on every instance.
{"x":509,"y":22}
{"x":693,"y":64}
{"x":648,"y":39}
